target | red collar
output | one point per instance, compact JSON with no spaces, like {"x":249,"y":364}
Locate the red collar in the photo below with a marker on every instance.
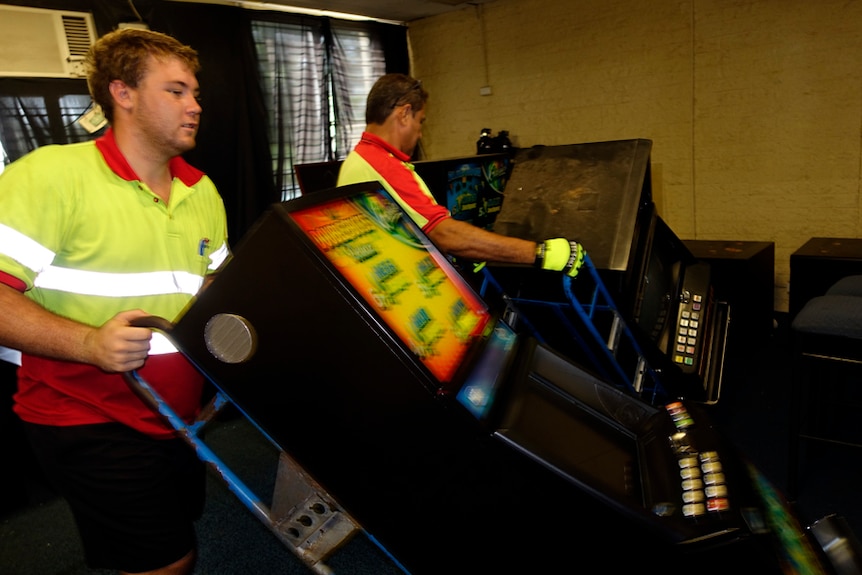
{"x":378,"y":141}
{"x":115,"y":159}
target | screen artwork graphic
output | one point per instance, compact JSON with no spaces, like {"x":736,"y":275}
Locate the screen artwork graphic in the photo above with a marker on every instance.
{"x":408,"y":282}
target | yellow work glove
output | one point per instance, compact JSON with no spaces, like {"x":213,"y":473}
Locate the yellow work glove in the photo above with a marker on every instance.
{"x":560,"y":254}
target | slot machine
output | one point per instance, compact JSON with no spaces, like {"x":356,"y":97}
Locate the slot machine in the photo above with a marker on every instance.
{"x":452,"y":438}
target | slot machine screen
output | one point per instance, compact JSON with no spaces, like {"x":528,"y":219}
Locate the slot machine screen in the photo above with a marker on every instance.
{"x":400,"y":275}
{"x":575,"y":442}
{"x":470,"y":187}
{"x":658,"y":292}
{"x":576,"y":423}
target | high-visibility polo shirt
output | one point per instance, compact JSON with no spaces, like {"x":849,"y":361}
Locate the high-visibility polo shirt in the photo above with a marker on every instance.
{"x":374,"y":159}
{"x":84,"y":238}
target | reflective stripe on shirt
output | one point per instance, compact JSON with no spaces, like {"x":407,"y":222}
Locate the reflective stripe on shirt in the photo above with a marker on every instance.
{"x":160,"y":344}
{"x":218,"y":257}
{"x":118,"y":285}
{"x":24,"y":250}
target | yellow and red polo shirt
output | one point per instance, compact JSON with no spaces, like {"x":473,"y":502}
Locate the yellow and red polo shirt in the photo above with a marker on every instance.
{"x":373,"y":159}
{"x":82,"y":236}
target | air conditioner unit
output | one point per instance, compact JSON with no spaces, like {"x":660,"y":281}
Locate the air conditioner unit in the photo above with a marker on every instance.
{"x":44,"y":43}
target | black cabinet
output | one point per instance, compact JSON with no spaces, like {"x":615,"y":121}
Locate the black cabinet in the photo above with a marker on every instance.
{"x":818,"y":264}
{"x":743,"y":275}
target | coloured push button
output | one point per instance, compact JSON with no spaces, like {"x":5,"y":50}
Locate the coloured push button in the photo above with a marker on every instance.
{"x":693,"y":496}
{"x":713,"y":491}
{"x":688,"y":462}
{"x":713,"y":478}
{"x":693,"y":509}
{"x":689,"y":472}
{"x":679,"y":414}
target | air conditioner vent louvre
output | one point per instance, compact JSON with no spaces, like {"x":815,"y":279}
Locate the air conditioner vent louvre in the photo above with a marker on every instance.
{"x":42,"y":43}
{"x":77,"y":35}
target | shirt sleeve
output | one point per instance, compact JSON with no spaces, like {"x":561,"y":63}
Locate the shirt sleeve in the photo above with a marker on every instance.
{"x":32,"y":220}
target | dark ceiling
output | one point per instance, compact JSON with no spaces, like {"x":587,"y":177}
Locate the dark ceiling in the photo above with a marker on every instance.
{"x":387,"y":10}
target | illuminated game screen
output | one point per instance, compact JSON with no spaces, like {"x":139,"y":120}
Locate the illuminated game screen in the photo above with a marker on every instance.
{"x":404,"y":278}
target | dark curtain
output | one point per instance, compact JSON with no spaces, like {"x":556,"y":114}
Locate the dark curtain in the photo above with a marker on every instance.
{"x":355,"y":66}
{"x":233,"y":147}
{"x":316,"y":73}
{"x":291,"y":50}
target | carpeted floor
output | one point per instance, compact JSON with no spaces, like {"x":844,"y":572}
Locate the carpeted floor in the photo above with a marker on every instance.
{"x":40,"y":538}
{"x":37,"y":536}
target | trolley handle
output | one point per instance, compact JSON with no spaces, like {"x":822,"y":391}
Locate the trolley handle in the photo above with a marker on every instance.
{"x":153,"y":322}
{"x":139,"y":386}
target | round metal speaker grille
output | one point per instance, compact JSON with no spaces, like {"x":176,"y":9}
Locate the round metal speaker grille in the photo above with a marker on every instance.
{"x":230,"y":338}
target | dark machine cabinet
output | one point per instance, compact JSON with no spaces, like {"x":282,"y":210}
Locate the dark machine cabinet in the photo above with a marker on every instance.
{"x":516,"y":456}
{"x":743,"y":275}
{"x":818,"y":264}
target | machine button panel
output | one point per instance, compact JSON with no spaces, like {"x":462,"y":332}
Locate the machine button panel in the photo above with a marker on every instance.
{"x":702,"y":479}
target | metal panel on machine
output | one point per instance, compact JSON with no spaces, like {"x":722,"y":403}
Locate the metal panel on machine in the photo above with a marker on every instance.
{"x":588,"y":192}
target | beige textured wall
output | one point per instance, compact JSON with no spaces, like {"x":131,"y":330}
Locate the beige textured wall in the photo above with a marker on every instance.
{"x":754,"y":107}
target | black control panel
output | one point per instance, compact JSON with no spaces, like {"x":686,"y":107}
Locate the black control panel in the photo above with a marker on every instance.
{"x":692,"y":321}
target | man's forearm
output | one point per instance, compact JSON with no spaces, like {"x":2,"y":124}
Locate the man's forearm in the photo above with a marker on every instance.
{"x":28,"y":327}
{"x":465,"y":240}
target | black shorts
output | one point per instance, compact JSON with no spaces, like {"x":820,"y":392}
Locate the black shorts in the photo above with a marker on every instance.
{"x":134,"y":498}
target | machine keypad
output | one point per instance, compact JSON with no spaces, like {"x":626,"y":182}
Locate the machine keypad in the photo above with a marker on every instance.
{"x":685,"y":352}
{"x":702,"y":477}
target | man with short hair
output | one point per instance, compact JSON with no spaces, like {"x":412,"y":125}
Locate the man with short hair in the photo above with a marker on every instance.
{"x":94,"y":236}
